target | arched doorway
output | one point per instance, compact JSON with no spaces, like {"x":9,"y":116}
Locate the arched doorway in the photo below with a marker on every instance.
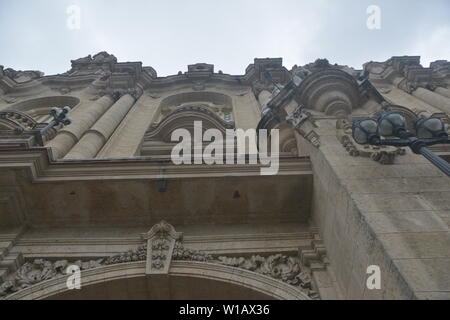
{"x":185,"y":280}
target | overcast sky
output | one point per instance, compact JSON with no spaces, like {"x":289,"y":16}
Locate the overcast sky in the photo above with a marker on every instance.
{"x":170,"y":34}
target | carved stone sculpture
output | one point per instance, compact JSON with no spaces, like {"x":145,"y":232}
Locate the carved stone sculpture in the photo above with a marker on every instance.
{"x":160,"y":245}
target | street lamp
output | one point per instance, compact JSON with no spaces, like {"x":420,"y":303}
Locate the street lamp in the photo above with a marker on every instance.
{"x":59,"y":116}
{"x":429,"y":131}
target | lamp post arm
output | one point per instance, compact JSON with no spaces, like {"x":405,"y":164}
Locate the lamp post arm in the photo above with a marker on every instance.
{"x":48,"y":127}
{"x":434,"y":141}
{"x":394,"y":142}
{"x":443,"y":165}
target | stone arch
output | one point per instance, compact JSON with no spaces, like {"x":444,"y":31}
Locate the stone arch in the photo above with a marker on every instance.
{"x":16,"y":121}
{"x":288,"y":139}
{"x":39,"y":108}
{"x":217,"y":103}
{"x":410,"y":115}
{"x":287,"y":133}
{"x":184,"y":118}
{"x":252,"y":285}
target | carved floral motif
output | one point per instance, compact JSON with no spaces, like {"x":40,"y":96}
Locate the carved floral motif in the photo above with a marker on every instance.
{"x":40,"y":270}
{"x":180,"y":253}
{"x":285,"y":268}
{"x":280,"y":267}
{"x":139,"y":254}
{"x":304,"y":123}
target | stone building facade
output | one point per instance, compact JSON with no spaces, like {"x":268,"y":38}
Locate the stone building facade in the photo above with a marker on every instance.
{"x":102,"y":193}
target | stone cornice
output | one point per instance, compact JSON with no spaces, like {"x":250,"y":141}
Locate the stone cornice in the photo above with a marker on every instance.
{"x":408,"y":74}
{"x":42,"y":169}
{"x":211,"y":244}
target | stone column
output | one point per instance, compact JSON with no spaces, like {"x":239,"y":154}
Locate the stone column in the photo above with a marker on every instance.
{"x":94,"y":139}
{"x":443,"y":91}
{"x":126,"y":140}
{"x":402,"y":98}
{"x":433,"y":98}
{"x":82,"y":118}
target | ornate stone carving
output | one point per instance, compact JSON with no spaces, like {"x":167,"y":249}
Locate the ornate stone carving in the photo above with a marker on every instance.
{"x":160,"y":245}
{"x":319,"y":64}
{"x":17,"y":120}
{"x":265,"y":73}
{"x":198,"y":85}
{"x":408,"y":86}
{"x":184,"y":116}
{"x":101,"y":57}
{"x":280,"y":267}
{"x":22,"y":76}
{"x":101,"y":62}
{"x":332,"y":91}
{"x":163,"y":245}
{"x":285,"y":268}
{"x":303,"y":122}
{"x":39,"y":270}
{"x":180,"y":253}
{"x":383,"y":154}
{"x":139,"y":254}
{"x":117,"y":93}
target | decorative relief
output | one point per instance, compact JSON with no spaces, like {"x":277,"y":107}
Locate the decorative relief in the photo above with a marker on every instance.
{"x":98,"y":59}
{"x":160,"y":245}
{"x":280,"y":267}
{"x":198,"y":85}
{"x":22,"y":76}
{"x":180,"y":253}
{"x":163,"y":245}
{"x":284,"y":268}
{"x":221,"y":110}
{"x":40,"y":270}
{"x":382,"y":154}
{"x":139,"y":254}
{"x":18,"y":120}
{"x":184,"y":116}
{"x":303,"y":122}
{"x":408,"y":86}
{"x":118,"y":93}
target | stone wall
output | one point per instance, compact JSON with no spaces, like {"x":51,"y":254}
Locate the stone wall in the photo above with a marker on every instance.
{"x":394,"y":216}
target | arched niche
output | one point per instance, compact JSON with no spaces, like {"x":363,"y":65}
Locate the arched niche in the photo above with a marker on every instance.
{"x":186,"y":280}
{"x":331,"y":91}
{"x":288,"y":140}
{"x":181,"y":111}
{"x":184,"y":118}
{"x":288,"y":144}
{"x":39,"y":108}
{"x":410,"y":115}
{"x":218,"y":103}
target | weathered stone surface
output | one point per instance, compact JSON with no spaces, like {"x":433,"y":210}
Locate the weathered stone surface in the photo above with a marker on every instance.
{"x":98,"y":184}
